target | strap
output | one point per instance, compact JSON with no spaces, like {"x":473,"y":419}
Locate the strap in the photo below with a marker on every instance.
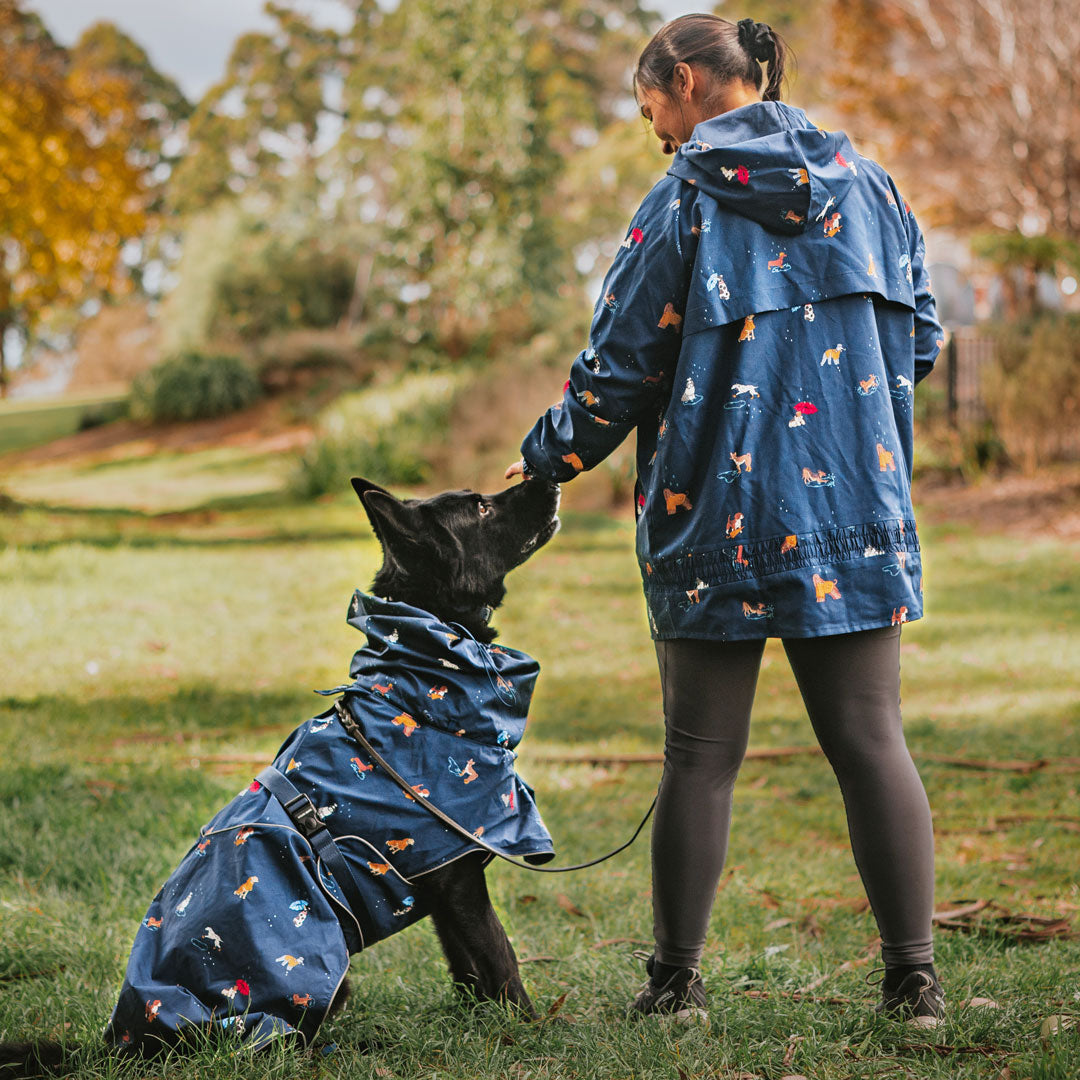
{"x":353,"y":728}
{"x":304,"y":816}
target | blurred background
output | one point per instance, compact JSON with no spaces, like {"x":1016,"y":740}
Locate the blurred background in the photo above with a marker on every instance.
{"x":371,"y":232}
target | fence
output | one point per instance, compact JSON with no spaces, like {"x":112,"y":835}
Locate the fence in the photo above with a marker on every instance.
{"x":966,"y":355}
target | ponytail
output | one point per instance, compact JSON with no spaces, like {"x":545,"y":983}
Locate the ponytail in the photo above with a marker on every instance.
{"x":728,"y":51}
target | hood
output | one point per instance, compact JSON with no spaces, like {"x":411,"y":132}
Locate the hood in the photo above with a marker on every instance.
{"x":769,"y":163}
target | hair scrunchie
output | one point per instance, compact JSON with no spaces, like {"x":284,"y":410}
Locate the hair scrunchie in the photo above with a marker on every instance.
{"x":756,"y":38}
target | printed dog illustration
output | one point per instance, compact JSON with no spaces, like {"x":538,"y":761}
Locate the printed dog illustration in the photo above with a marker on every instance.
{"x":444,"y":558}
{"x":670,"y":317}
{"x":747,"y":329}
{"x":740,"y":460}
{"x":886,"y":459}
{"x":825,"y":588}
{"x":676,"y":500}
{"x":832,"y":356}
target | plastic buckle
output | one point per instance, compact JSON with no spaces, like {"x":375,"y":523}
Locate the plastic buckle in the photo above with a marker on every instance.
{"x":305,"y":816}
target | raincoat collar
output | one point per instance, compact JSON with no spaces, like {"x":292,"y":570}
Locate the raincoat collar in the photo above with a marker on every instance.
{"x":408,"y":641}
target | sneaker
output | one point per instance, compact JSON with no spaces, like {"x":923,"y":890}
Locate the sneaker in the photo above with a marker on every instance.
{"x":918,"y":1000}
{"x":680,"y":999}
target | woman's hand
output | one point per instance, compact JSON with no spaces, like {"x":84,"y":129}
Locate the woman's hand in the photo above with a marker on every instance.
{"x":517,"y":469}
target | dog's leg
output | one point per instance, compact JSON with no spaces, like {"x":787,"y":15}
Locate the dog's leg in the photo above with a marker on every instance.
{"x":481,"y":959}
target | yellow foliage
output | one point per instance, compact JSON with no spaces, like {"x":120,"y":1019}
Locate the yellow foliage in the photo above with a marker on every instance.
{"x":70,"y":191}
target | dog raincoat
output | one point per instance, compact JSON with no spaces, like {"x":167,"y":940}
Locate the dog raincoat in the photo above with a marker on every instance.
{"x":762,"y":329}
{"x":251,"y":934}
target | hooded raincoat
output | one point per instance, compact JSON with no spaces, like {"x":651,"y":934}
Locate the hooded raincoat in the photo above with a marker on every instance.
{"x":251,"y":934}
{"x":762,"y":329}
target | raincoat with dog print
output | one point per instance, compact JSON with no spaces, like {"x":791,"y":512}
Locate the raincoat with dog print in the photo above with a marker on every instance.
{"x":762,"y":329}
{"x":251,"y":934}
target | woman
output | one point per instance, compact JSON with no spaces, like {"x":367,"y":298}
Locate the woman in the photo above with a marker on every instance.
{"x":762,"y":329}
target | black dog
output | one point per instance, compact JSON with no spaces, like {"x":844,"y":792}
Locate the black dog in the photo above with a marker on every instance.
{"x":444,"y":561}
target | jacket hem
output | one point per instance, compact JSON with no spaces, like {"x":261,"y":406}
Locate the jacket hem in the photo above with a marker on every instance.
{"x":749,"y":563}
{"x":824,"y":631}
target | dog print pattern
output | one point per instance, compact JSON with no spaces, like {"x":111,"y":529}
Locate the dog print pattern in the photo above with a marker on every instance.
{"x":252,"y":938}
{"x":774,"y":316}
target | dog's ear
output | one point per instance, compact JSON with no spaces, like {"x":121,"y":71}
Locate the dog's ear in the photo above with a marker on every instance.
{"x":397,"y":525}
{"x":362,"y":486}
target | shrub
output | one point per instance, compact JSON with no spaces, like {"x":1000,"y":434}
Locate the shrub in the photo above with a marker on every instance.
{"x":1031,"y":389}
{"x":194,"y":386}
{"x":387,"y":433}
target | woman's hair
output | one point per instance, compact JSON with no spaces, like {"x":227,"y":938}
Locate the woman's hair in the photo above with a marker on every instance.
{"x":728,"y":51}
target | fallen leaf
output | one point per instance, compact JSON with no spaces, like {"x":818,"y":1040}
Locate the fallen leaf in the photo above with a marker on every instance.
{"x":777,"y":924}
{"x":557,"y":1004}
{"x":980,"y":1003}
{"x":569,"y":906}
{"x":1055,"y":1025}
{"x":526,"y":899}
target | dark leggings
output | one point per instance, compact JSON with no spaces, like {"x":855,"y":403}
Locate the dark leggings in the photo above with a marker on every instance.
{"x":850,"y":684}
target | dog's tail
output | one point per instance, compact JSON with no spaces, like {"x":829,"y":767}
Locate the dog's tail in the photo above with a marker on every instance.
{"x":34,"y":1059}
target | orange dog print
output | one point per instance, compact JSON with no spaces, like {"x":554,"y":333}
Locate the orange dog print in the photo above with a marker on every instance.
{"x":885,"y":459}
{"x":405,"y":722}
{"x":378,"y":868}
{"x":734,"y":525}
{"x":747,"y":329}
{"x":741,"y":460}
{"x":383,"y":688}
{"x":301,"y":1000}
{"x":676,"y":500}
{"x":823,"y":588}
{"x":242,"y":836}
{"x":899,"y":616}
{"x":789,"y":544}
{"x":400,"y":845}
{"x":670,"y":317}
{"x":437,"y":693}
{"x":573,"y":459}
{"x":246,"y":888}
{"x":778,"y":262}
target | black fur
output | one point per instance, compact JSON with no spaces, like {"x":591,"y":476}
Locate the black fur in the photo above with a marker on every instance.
{"x":448,"y":555}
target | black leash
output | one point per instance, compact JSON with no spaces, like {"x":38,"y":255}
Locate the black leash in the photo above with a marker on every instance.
{"x":353,"y":728}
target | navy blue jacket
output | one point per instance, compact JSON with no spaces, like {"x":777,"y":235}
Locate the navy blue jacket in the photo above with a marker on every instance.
{"x":251,"y":934}
{"x":762,"y":330}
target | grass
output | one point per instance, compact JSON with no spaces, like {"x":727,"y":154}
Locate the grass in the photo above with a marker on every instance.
{"x":28,"y":422}
{"x":150,"y":665}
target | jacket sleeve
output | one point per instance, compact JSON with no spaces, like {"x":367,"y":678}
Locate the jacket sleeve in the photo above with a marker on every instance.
{"x":928,"y":333}
{"x":625,"y":371}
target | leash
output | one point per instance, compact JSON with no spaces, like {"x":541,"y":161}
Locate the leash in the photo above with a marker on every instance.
{"x":353,"y":728}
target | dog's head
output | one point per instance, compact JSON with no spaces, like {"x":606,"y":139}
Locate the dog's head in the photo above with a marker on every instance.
{"x":449,"y":554}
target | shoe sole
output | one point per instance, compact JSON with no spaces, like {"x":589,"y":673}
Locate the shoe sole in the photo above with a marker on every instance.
{"x":923,"y":1021}
{"x":683,"y":1016}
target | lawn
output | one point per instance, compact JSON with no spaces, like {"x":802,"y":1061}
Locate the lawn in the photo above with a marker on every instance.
{"x":30,"y":422}
{"x":151,"y":665}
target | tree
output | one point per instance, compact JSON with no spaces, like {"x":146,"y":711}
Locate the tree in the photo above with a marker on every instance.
{"x":69,"y":192}
{"x":258,"y":126}
{"x":977,"y":101}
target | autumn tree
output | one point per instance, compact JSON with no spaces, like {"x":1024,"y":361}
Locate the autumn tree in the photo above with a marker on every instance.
{"x":71,"y":191}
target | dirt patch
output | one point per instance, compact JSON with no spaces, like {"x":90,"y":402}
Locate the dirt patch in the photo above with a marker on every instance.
{"x":1044,"y":504}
